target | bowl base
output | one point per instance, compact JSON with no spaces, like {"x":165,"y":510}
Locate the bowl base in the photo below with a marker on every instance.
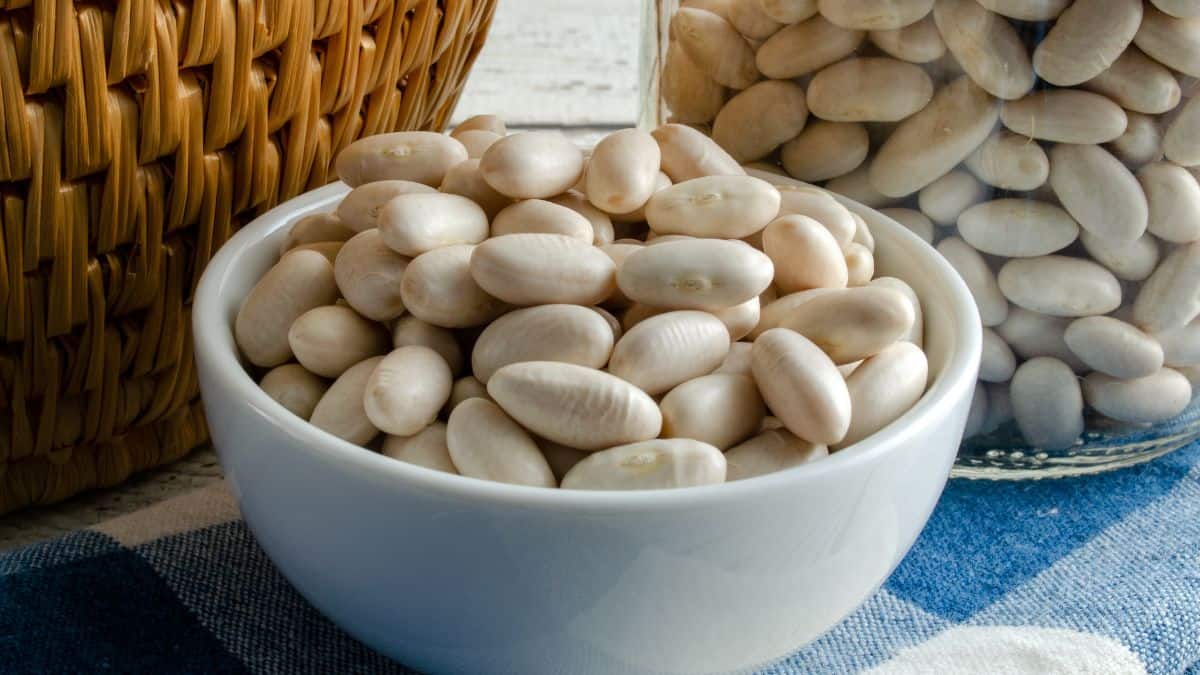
{"x":1104,"y":446}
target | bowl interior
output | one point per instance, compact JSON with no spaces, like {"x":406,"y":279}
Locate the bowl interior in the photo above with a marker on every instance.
{"x":952,"y":344}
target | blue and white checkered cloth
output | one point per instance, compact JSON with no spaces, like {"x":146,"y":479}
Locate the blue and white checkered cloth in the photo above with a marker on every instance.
{"x":1087,"y":575}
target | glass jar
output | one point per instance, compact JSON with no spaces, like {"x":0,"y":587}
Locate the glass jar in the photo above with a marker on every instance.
{"x":1049,"y":149}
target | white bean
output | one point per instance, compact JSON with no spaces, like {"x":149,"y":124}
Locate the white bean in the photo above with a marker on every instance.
{"x":706,"y":274}
{"x":657,"y":464}
{"x":998,"y":361}
{"x":487,"y":444}
{"x":328,"y":340}
{"x":341,"y":410}
{"x":1060,"y":286}
{"x":802,"y":386}
{"x":1098,"y":191}
{"x":821,"y":207}
{"x":853,"y":323}
{"x":916,"y":334}
{"x":1174,"y":199}
{"x":884,"y":387}
{"x":602,"y":224}
{"x":918,"y":42}
{"x":715,"y":46}
{"x":1181,"y":346}
{"x":574,"y":405}
{"x":406,"y":390}
{"x":869,"y":89}
{"x":1169,"y":298}
{"x":1031,"y":334}
{"x":538,"y":269}
{"x":759,"y":119}
{"x":770,"y":451}
{"x":567,"y":333}
{"x":1010,"y":162}
{"x":315,"y":228}
{"x":622,"y":171}
{"x":986,"y":46}
{"x":668,"y":349}
{"x":438,"y":289}
{"x":1047,"y":403}
{"x":946,"y":198}
{"x":737,"y":361}
{"x":413,"y":224}
{"x":300,"y":281}
{"x":1087,"y":36}
{"x":914,"y":221}
{"x":806,"y":47}
{"x":1130,"y":260}
{"x":974,"y":270}
{"x":1141,"y":143}
{"x":542,"y":217}
{"x":1154,"y":398}
{"x":1173,"y":42}
{"x":368,"y":274}
{"x":425,"y":448}
{"x":532,"y":165}
{"x":860,"y":265}
{"x":825,"y":150}
{"x":874,"y":14}
{"x":294,"y":388}
{"x":1138,"y":83}
{"x":726,"y":207}
{"x":361,"y":207}
{"x":1017,"y":228}
{"x":719,"y":409}
{"x":418,"y":156}
{"x":1114,"y":347}
{"x":466,"y":180}
{"x":688,"y":154}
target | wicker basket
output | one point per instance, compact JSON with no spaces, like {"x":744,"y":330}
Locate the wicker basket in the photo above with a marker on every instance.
{"x":135,"y":136}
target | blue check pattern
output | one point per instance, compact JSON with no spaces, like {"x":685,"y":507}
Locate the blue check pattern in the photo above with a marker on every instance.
{"x":1113,"y":557}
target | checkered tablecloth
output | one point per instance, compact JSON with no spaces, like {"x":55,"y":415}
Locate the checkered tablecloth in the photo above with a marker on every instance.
{"x":1087,"y":575}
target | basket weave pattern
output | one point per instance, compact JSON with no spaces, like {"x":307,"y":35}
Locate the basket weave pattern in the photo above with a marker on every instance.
{"x":135,"y":137}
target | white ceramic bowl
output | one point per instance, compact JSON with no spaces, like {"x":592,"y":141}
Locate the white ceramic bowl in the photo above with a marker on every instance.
{"x":451,"y":574}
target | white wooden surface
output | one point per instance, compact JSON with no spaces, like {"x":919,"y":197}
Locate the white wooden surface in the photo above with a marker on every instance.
{"x":547,"y":63}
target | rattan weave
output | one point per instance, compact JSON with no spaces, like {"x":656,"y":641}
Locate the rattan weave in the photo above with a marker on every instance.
{"x":135,"y":137}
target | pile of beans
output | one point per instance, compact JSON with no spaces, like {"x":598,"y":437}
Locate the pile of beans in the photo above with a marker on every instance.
{"x":1049,"y":148}
{"x":505,"y":308}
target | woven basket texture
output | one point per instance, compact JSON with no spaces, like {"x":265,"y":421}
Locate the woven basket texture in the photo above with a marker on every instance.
{"x":135,"y":137}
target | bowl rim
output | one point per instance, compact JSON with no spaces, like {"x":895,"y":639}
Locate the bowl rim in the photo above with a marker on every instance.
{"x":213,"y":338}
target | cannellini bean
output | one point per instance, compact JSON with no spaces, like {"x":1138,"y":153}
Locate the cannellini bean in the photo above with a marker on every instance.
{"x":418,"y":156}
{"x":574,"y":405}
{"x":361,"y":207}
{"x":368,"y":274}
{"x":776,"y":312}
{"x":805,"y":255}
{"x":975,"y":273}
{"x":418,"y":223}
{"x":749,"y":20}
{"x":1174,"y":199}
{"x":692,"y":96}
{"x":806,"y":47}
{"x":930,"y":143}
{"x":1141,"y":143}
{"x":1088,"y":35}
{"x":737,"y":361}
{"x":857,"y":186}
{"x":862,"y":233}
{"x":602,"y":225}
{"x":825,"y":150}
{"x":715,"y":46}
{"x":1060,"y":286}
{"x":638,"y":313}
{"x":538,"y":269}
{"x":727,"y":207}
{"x":874,"y":14}
{"x":1017,"y":228}
{"x":918,"y":42}
{"x":341,"y":410}
{"x":883,"y":388}
{"x":1179,"y":142}
{"x":300,"y":281}
{"x":1031,"y":334}
{"x":618,"y":253}
{"x":707,"y":274}
{"x":853,"y":323}
{"x":1136,"y":82}
{"x":328,"y":340}
{"x":1027,"y":10}
{"x":463,"y":389}
{"x":1098,"y":191}
{"x":999,"y":407}
{"x":315,"y":228}
{"x":1173,"y":42}
{"x":987,"y":47}
{"x":868,"y":90}
{"x":1114,"y":347}
{"x":916,"y":334}
{"x":914,"y":221}
{"x":1181,"y":346}
{"x":657,"y":464}
{"x":669,"y":349}
{"x":614,"y":324}
{"x":560,"y":457}
{"x":801,"y":385}
{"x":622,"y":171}
{"x":688,"y":154}
{"x":425,"y":448}
{"x":1129,"y":260}
{"x":567,"y":333}
{"x":1178,"y":8}
{"x":490,"y":123}
{"x":1144,"y":400}
{"x":476,"y":141}
{"x":406,"y":390}
{"x":760,"y":118}
{"x":719,"y":409}
{"x":466,"y":180}
{"x":486,"y":443}
{"x":638,"y":215}
{"x":946,"y":198}
{"x":1047,"y":403}
{"x":1010,"y":162}
{"x":438,"y":288}
{"x":977,"y":414}
{"x":1191,"y":374}
{"x":788,"y":11}
{"x":770,"y":451}
{"x":998,"y":361}
{"x":1168,"y":299}
{"x":1065,"y":116}
{"x":542,"y":217}
{"x":532,"y":165}
{"x":821,"y":207}
{"x":294,"y":388}
{"x":409,"y":331}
